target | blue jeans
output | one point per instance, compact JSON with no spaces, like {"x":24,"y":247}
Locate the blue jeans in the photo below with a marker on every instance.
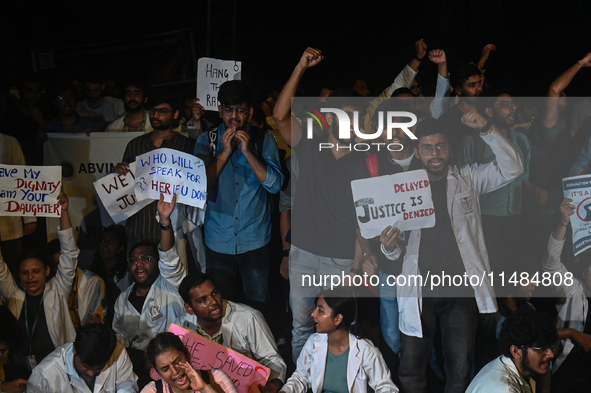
{"x":302,"y":298}
{"x":254,"y":267}
{"x":389,"y":314}
{"x":457,"y":319}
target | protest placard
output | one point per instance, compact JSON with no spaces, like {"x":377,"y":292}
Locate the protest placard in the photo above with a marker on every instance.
{"x":206,"y":355}
{"x":171,"y":172}
{"x":578,"y":188}
{"x":116,"y":193}
{"x":402,"y":200}
{"x":30,"y":190}
{"x":211,"y":73}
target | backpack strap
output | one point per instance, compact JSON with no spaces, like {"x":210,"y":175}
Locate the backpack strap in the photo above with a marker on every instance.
{"x":372,"y":165}
{"x":159,"y":386}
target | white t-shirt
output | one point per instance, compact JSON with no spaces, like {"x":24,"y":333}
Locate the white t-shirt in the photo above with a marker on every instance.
{"x":111,"y":109}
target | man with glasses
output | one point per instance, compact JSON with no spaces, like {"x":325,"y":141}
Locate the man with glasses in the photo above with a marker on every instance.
{"x":67,"y":119}
{"x":529,"y":341}
{"x":243,"y":167}
{"x":454,"y":247}
{"x":501,"y":209}
{"x":152,"y":302}
{"x":163,"y":109}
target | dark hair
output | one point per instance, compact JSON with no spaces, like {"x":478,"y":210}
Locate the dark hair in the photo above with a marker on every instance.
{"x":145,"y":243}
{"x":10,"y":333}
{"x":429,"y":127}
{"x":35,"y":253}
{"x":93,"y":76}
{"x":393,"y":104}
{"x":489,"y":97}
{"x":234,"y":93}
{"x":138,"y":82}
{"x":527,"y":328}
{"x":161,"y":343}
{"x":62,"y":87}
{"x":120,"y":268}
{"x":462,"y":72}
{"x":164,"y":97}
{"x":192,"y":281}
{"x":342,"y":301}
{"x":402,"y":90}
{"x":95,"y":344}
{"x":32,"y":77}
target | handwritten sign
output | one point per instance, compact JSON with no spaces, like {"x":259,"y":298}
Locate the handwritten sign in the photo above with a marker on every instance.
{"x":30,"y":190}
{"x":402,"y":200}
{"x":206,"y":355}
{"x":211,"y":73}
{"x":117,"y":194}
{"x":171,"y":172}
{"x":578,"y":188}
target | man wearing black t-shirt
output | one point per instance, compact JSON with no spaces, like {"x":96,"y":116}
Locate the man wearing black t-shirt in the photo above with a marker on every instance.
{"x":323,"y":218}
{"x":453,"y":247}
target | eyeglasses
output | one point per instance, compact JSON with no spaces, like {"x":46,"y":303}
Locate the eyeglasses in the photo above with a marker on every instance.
{"x":544,"y":351}
{"x":147,"y":259}
{"x":507,"y":104}
{"x":160,"y":111}
{"x":231,"y":109}
{"x":66,"y":98}
{"x":428,"y":150}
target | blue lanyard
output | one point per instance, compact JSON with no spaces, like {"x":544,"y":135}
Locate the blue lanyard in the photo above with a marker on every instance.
{"x":31,"y":333}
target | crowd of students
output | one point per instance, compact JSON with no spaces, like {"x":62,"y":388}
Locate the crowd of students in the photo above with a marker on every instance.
{"x":278,"y":206}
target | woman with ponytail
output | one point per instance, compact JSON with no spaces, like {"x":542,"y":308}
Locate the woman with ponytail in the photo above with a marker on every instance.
{"x":336,"y":359}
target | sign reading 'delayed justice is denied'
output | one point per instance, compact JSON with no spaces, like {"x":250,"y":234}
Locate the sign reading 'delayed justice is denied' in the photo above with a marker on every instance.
{"x":402,"y":200}
{"x":118,"y":196}
{"x":578,"y":188}
{"x":206,"y":355}
{"x":30,"y":190}
{"x":170,"y":172}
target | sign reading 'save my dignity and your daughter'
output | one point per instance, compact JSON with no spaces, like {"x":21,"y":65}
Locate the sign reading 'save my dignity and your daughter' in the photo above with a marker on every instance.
{"x":30,"y":190}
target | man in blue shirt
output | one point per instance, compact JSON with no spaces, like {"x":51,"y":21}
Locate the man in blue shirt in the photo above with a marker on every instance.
{"x":242,"y":168}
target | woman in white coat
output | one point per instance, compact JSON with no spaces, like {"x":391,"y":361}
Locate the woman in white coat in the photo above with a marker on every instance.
{"x":335,"y":350}
{"x":39,"y":304}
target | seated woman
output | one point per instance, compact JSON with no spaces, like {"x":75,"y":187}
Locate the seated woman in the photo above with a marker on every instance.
{"x":170,"y":358}
{"x":335,"y":350}
{"x":39,"y":304}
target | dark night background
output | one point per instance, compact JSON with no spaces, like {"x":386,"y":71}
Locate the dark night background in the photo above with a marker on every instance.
{"x":536,"y":40}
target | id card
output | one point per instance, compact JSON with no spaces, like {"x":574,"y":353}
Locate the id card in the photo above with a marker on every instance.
{"x":31,"y":362}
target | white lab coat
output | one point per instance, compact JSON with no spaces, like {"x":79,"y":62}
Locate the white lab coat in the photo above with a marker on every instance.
{"x":365,"y":366}
{"x":464,"y":186}
{"x":573,"y":311}
{"x":162,"y":307}
{"x":57,"y":374}
{"x":91,"y":292}
{"x":57,"y":290}
{"x":245,"y":330}
{"x":499,"y":376}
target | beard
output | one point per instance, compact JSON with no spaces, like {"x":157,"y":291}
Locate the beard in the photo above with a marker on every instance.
{"x":133,"y":109}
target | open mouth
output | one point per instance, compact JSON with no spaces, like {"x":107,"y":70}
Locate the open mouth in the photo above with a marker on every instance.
{"x":181,"y":380}
{"x":215,"y":311}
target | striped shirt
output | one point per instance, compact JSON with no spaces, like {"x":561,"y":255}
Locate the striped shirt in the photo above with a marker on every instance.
{"x":143,"y":224}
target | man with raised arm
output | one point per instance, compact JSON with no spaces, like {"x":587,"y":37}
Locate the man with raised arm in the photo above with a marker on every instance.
{"x":452,"y":247}
{"x":323,"y":216}
{"x":152,"y":302}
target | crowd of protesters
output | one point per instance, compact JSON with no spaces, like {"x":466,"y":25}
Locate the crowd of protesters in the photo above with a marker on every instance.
{"x":278,"y":209}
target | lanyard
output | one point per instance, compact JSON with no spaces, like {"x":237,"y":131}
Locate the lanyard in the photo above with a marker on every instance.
{"x":30,"y":333}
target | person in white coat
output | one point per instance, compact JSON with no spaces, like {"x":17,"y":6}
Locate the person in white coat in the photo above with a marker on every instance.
{"x":334,"y":358}
{"x":152,"y":303}
{"x":94,"y":362}
{"x":40,"y":305}
{"x":454,"y":247}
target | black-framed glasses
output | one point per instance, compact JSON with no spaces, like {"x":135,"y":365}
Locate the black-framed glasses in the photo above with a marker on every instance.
{"x":160,"y":111}
{"x":231,"y":109}
{"x":147,"y":259}
{"x":68,"y":97}
{"x":429,"y":150}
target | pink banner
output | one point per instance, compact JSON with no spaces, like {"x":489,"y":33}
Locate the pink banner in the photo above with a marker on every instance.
{"x":206,"y":355}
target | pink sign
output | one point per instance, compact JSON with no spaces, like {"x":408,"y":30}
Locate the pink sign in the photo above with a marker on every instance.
{"x":206,"y":355}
